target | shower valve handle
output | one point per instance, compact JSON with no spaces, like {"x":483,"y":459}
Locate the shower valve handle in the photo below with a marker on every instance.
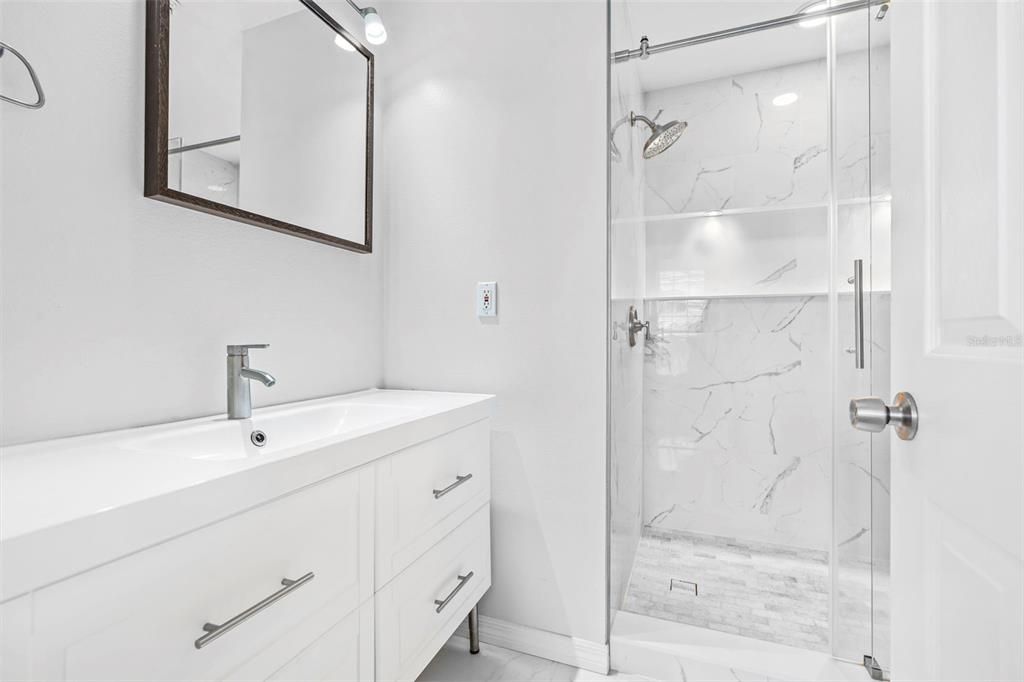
{"x":634,"y":325}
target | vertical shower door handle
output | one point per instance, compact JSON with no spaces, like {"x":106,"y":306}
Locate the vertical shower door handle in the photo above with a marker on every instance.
{"x":858,"y":313}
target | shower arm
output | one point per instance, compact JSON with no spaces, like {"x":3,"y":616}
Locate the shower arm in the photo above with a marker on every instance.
{"x":633,"y":118}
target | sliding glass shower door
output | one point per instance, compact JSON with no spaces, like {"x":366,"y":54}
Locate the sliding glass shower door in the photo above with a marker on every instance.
{"x":742,"y":500}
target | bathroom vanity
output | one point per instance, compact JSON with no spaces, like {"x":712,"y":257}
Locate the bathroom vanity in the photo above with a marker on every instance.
{"x":348,"y":545}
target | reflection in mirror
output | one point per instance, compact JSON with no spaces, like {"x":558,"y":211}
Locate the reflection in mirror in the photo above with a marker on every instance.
{"x":268,"y":113}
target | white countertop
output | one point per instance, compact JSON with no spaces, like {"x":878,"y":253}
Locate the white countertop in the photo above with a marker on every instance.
{"x":71,"y":504}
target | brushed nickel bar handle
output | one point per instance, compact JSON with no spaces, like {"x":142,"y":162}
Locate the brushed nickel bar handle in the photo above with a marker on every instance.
{"x":214,"y":631}
{"x":459,"y":480}
{"x":441,"y":603}
{"x":858,"y":312}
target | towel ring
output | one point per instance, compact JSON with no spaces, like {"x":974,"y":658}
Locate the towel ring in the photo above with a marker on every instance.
{"x":40,"y":97}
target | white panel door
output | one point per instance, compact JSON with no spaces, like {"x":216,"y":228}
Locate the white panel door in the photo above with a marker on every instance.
{"x":957,"y":321}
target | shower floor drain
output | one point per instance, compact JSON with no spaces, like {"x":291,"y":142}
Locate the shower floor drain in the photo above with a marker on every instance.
{"x":680,"y":585}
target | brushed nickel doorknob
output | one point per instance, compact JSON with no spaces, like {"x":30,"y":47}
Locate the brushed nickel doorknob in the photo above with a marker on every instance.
{"x":872,"y":414}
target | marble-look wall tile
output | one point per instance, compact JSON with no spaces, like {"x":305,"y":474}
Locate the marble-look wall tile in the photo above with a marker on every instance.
{"x":861,"y":120}
{"x":778,"y":252}
{"x":737,"y":419}
{"x":740,"y":150}
{"x":743,"y":151}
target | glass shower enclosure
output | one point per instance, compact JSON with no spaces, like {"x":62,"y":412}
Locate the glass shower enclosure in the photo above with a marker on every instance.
{"x":753,"y":252}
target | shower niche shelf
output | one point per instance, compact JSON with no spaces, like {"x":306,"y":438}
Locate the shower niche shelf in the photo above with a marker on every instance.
{"x":749,"y":211}
{"x":752,"y":295}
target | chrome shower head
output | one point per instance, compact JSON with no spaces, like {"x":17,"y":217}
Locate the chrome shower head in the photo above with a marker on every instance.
{"x":662,"y":136}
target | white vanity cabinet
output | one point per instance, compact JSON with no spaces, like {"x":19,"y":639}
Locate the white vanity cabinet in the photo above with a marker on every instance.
{"x":340,"y":579}
{"x":142,"y":617}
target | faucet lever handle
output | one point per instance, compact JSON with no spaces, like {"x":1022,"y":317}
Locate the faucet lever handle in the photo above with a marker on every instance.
{"x":243,"y":349}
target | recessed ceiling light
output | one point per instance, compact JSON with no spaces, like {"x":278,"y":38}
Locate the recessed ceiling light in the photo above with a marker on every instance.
{"x":340,"y":41}
{"x":785,"y":99}
{"x":813,"y":7}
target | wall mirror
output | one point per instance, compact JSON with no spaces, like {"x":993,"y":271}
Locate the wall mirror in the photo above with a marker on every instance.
{"x":261,"y":112}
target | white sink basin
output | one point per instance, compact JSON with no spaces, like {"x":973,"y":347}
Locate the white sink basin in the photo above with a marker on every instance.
{"x":225,"y":439}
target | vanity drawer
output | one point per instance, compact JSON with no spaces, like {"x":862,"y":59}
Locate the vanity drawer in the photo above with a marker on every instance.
{"x":425,"y":491}
{"x":342,"y":654}
{"x":139,"y":618}
{"x":409,"y":627}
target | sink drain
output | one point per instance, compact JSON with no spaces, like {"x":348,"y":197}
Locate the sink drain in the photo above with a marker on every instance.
{"x":258,"y":438}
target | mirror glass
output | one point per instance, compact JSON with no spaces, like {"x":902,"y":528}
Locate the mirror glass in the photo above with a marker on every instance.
{"x":268,"y":113}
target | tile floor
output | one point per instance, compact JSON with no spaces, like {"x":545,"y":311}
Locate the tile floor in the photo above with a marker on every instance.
{"x":675,"y":652}
{"x":768,"y":592}
{"x":663,"y":661}
{"x":494,"y":664}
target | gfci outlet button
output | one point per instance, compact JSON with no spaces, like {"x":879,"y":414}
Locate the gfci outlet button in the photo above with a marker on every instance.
{"x":486,"y":299}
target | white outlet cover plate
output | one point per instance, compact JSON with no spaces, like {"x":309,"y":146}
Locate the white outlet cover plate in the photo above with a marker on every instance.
{"x":486,"y":299}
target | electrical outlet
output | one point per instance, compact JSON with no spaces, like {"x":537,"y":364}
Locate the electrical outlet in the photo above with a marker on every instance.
{"x":486,"y":299}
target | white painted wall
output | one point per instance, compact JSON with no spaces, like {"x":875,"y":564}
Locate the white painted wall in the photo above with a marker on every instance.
{"x":495,"y":127}
{"x":116,"y":308}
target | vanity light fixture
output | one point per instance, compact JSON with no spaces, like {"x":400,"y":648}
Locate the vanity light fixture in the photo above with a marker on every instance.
{"x":785,"y":99}
{"x":343,"y":44}
{"x":814,"y":6}
{"x":376,"y":34}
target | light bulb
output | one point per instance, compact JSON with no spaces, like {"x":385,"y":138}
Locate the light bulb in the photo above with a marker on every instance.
{"x":376,"y":34}
{"x":785,"y":99}
{"x":816,"y":7}
{"x":340,"y":41}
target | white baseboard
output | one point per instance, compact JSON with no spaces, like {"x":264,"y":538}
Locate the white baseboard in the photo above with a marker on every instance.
{"x":579,"y":653}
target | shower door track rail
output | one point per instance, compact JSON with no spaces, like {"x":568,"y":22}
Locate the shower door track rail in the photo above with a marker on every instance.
{"x":645,"y":49}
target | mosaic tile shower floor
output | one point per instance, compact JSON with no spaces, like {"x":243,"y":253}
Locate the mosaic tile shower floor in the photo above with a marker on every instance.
{"x":769,"y":592}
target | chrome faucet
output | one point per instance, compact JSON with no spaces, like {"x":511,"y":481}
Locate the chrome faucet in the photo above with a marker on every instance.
{"x":239,"y":374}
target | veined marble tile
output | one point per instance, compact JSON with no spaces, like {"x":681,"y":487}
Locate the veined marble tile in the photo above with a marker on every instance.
{"x":737,"y":419}
{"x":739,"y":149}
{"x":742,"y":151}
{"x":736,"y":255}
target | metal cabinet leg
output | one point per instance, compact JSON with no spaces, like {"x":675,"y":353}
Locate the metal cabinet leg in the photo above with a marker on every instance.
{"x":474,"y":632}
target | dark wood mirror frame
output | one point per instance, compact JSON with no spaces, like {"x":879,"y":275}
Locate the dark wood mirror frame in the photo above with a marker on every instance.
{"x":158,"y":26}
